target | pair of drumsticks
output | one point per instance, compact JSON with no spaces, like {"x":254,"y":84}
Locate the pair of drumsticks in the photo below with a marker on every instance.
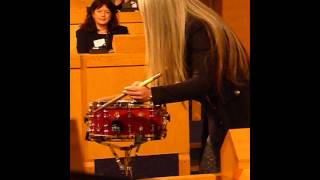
{"x":122,"y":95}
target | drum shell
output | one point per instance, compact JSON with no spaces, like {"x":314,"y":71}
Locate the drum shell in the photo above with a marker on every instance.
{"x":125,"y":121}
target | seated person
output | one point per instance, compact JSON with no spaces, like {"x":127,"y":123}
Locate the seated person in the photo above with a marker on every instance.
{"x":126,"y":5}
{"x":101,"y":23}
{"x":119,"y":3}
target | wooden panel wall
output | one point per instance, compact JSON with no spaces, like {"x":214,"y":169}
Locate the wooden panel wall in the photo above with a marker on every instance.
{"x":236,"y":13}
{"x":74,"y":56}
{"x":78,"y":10}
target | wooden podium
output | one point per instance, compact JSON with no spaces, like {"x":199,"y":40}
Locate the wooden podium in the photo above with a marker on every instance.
{"x":76,"y":154}
{"x":235,"y":155}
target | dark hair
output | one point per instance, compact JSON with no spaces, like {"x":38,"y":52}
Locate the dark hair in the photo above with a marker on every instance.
{"x":89,"y":23}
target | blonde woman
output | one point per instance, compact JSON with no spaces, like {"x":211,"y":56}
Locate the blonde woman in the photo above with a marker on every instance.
{"x":199,"y":59}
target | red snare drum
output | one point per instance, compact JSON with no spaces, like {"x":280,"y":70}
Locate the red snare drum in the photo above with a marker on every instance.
{"x":126,"y":121}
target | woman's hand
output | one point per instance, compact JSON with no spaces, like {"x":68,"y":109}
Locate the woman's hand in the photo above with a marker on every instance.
{"x":141,"y":94}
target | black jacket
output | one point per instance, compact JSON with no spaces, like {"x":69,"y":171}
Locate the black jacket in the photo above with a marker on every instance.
{"x":230,"y":110}
{"x":85,"y":38}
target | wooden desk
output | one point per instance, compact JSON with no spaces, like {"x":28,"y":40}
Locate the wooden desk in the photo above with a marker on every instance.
{"x":235,"y":153}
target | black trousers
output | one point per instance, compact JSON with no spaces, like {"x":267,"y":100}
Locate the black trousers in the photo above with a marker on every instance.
{"x":212,"y":139}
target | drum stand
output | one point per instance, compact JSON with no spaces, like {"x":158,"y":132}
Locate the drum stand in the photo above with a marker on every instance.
{"x":125,"y":166}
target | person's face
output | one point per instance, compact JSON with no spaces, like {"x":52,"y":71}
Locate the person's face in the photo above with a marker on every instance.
{"x":102,"y":15}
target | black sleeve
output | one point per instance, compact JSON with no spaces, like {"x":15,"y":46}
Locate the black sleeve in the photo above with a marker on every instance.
{"x":83,"y":44}
{"x":201,"y":71}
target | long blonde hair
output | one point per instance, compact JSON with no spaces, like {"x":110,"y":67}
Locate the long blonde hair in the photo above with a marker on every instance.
{"x":165,"y":22}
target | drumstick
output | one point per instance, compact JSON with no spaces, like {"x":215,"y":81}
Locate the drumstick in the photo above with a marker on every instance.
{"x":122,"y":95}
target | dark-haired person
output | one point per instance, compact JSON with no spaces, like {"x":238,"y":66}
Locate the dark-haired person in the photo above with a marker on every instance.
{"x":119,"y":3}
{"x":100,"y":25}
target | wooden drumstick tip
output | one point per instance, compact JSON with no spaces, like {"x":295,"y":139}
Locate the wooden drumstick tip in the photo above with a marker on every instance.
{"x":150,"y":80}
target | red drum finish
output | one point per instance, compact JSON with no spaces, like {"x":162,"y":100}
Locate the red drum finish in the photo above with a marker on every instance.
{"x":126,"y":121}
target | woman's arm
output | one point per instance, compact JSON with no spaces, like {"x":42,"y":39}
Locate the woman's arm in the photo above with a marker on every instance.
{"x":201,"y":72}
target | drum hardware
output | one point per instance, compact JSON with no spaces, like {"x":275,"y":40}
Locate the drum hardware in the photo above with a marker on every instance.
{"x":87,"y":138}
{"x":151,"y":113}
{"x":129,"y":128}
{"x":98,"y":128}
{"x":124,"y":121}
{"x":117,"y":115}
{"x":129,"y":112}
{"x":116,"y":126}
{"x":166,"y":117}
{"x":152,"y":128}
{"x":140,"y":114}
{"x":125,"y":164}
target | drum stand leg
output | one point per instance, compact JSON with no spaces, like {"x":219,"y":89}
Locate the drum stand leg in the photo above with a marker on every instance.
{"x":126,"y":166}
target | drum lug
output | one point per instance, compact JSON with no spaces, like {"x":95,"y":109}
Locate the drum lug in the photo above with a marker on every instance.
{"x":86,"y":119}
{"x":129,"y":114}
{"x":129,"y":128}
{"x":166,"y":117}
{"x":117,"y":115}
{"x":87,"y":136}
{"x":152,"y":128}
